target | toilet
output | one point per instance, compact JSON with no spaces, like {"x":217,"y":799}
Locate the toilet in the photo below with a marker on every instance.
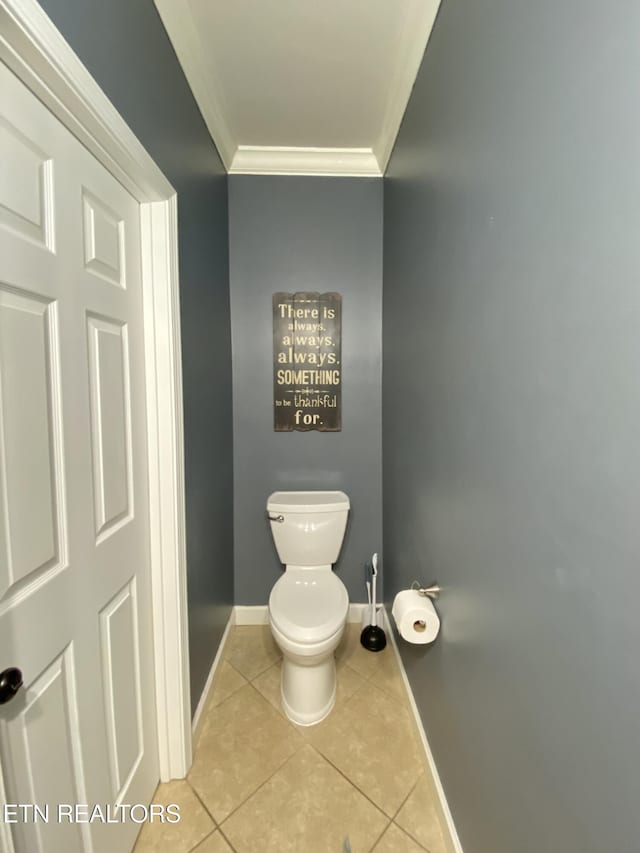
{"x":308,"y":605}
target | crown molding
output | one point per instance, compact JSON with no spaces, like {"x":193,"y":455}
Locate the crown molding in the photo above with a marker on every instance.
{"x":183,"y":34}
{"x":413,"y":44}
{"x":284,"y":160}
{"x":280,"y":160}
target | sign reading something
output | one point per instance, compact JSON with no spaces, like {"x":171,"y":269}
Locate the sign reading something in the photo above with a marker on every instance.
{"x":307,"y":369}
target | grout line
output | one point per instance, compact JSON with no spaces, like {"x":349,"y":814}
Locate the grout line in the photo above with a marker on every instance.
{"x":237,"y":672}
{"x":408,"y":834}
{"x":235,"y":668}
{"x":271,"y":666}
{"x":399,"y":809}
{"x":271,"y":775}
{"x":412,"y":837}
{"x":202,"y":840}
{"x":262,"y":672}
{"x":217,"y":824}
{"x":351,"y":782}
{"x":379,"y":838}
{"x":210,"y":704}
{"x":204,"y":806}
{"x":349,"y":698}
{"x":215,"y":708}
{"x":261,"y":785}
{"x":232,"y":848}
{"x":401,"y":806}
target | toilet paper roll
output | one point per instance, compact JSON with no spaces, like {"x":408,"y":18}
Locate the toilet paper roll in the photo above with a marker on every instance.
{"x":415,"y":617}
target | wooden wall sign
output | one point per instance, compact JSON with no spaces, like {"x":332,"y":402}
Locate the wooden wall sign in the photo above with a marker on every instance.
{"x":307,"y":368}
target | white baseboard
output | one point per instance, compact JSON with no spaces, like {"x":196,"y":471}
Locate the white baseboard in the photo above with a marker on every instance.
{"x":356,"y":611}
{"x":251,"y":615}
{"x":211,"y":678}
{"x":452,"y":842}
{"x":259,"y":614}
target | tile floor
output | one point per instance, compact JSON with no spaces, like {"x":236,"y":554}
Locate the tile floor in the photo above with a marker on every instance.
{"x":260,"y":783}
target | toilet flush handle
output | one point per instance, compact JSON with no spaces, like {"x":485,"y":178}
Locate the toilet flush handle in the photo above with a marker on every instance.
{"x":278,"y":518}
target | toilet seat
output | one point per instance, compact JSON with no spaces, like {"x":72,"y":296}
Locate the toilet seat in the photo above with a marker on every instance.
{"x":308,"y":605}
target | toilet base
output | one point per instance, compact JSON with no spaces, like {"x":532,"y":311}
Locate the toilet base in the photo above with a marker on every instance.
{"x":308,"y":692}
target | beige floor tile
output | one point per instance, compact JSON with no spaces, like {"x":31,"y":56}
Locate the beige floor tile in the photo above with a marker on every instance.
{"x":370,"y":739}
{"x":268,"y":683}
{"x":380,"y":666}
{"x":227,"y":682}
{"x":244,"y":741}
{"x":214,"y":843}
{"x":388,"y":678}
{"x":194,"y":825}
{"x":252,"y":649}
{"x":351,"y":652}
{"x":396,"y":841}
{"x":306,"y":807}
{"x":418,"y":817}
{"x":349,"y":681}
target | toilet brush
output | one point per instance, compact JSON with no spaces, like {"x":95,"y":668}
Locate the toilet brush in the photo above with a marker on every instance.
{"x":373,"y":637}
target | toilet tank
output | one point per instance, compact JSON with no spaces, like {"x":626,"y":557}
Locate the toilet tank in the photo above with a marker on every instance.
{"x":311,"y":528}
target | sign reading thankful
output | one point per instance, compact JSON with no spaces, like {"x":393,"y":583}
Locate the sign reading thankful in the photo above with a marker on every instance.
{"x":307,"y":369}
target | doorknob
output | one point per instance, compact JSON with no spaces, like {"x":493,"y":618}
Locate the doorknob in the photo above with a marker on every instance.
{"x":10,"y":683}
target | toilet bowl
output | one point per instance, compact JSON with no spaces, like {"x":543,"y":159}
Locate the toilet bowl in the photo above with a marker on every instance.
{"x":309,"y":604}
{"x":308,"y":612}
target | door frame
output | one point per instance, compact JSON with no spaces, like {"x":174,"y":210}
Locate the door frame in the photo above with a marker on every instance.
{"x":38,"y":54}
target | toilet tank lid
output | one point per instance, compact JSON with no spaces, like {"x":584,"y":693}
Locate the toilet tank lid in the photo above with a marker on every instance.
{"x":307,"y":502}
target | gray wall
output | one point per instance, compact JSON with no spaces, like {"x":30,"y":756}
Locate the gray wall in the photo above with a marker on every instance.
{"x":512,"y":415}
{"x":289,"y":234}
{"x":125,"y":47}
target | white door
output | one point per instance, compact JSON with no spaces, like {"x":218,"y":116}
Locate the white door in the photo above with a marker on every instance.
{"x":75,"y":602}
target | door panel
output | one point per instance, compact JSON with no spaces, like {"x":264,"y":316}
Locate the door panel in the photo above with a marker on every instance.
{"x":75,"y":598}
{"x":103,"y":235}
{"x":110,"y":423}
{"x":121,"y":679}
{"x":40,"y":746}
{"x":25,"y":188}
{"x":29,"y":459}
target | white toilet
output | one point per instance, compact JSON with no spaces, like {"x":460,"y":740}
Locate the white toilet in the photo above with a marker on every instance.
{"x":308,"y":605}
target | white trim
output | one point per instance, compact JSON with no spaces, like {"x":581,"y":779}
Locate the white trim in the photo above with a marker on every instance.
{"x":413,"y":43}
{"x":34,"y":49}
{"x":257,"y":160}
{"x":251,"y":615}
{"x":259,"y":614}
{"x":452,"y":842}
{"x":185,"y":38}
{"x":280,"y":160}
{"x":211,"y":678}
{"x":166,"y":483}
{"x":356,"y":612}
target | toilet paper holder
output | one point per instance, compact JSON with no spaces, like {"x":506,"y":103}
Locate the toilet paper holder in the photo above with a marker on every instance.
{"x":432,"y":591}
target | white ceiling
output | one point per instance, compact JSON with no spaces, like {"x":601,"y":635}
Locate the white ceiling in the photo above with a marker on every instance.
{"x":301,"y":86}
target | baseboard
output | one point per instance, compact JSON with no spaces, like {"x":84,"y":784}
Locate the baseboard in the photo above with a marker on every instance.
{"x":259,"y":614}
{"x":251,"y":615}
{"x":452,"y":841}
{"x":355,"y":612}
{"x":207,"y":690}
